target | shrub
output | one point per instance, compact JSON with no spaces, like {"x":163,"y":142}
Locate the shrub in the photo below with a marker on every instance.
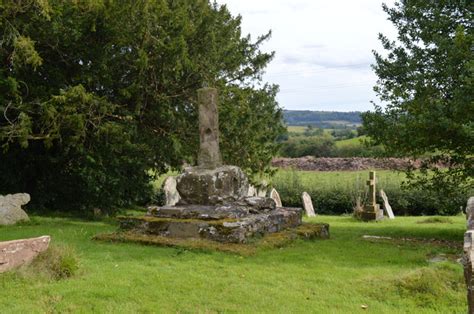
{"x":318,"y":146}
{"x":57,"y":262}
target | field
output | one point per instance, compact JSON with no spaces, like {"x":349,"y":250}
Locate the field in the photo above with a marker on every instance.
{"x":339,"y":275}
{"x":356,"y":141}
{"x":299,"y":129}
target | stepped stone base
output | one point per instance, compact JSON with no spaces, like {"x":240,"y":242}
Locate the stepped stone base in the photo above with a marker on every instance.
{"x":371,"y":213}
{"x":228,"y":224}
{"x":306,"y":231}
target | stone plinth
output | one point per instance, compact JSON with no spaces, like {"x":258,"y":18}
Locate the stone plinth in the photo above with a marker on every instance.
{"x":371,"y":213}
{"x":238,"y":209}
{"x":230,"y":230}
{"x":221,"y":185}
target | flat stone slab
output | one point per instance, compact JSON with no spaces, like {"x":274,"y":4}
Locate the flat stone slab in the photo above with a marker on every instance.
{"x":239,"y":209}
{"x":228,"y":230}
{"x":20,"y":252}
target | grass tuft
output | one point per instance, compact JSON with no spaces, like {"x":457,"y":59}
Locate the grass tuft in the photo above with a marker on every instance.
{"x":429,"y":285}
{"x":57,"y":262}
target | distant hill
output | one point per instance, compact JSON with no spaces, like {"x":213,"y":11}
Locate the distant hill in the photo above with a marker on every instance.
{"x":323,"y":119}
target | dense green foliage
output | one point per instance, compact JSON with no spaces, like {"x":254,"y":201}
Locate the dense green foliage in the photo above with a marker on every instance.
{"x":98,"y":95}
{"x":337,"y":192}
{"x":425,"y":77}
{"x":337,"y":275}
{"x":322,"y":119}
{"x":299,"y":146}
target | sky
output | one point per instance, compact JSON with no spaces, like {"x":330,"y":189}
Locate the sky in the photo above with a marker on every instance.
{"x":323,"y":49}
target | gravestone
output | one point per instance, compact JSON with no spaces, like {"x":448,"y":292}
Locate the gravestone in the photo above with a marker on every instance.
{"x":470,"y":213}
{"x":308,"y":205}
{"x":468,"y":256}
{"x":262,"y":192}
{"x":21,"y":252}
{"x":386,"y":205}
{"x":214,"y":199}
{"x":10,"y":208}
{"x":171,"y":193}
{"x":276,"y":197}
{"x":252,"y":191}
{"x":372,"y":211}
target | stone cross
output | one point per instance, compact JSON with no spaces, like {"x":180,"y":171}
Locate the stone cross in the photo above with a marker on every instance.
{"x":371,"y":184}
{"x":372,"y":210}
{"x":209,"y":154}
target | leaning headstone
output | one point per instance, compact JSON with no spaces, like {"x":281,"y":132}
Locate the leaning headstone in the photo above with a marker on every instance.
{"x":252,"y":191}
{"x":21,"y":252}
{"x":308,"y":205}
{"x":276,"y":197}
{"x":171,"y":193}
{"x":386,"y":205}
{"x":10,"y":208}
{"x":468,"y":258}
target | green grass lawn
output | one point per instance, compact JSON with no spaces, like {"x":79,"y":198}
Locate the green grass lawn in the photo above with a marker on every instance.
{"x":338,"y":275}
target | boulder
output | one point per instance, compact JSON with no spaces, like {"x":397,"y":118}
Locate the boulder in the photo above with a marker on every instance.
{"x":221,"y":185}
{"x":20,"y":252}
{"x":10,"y":208}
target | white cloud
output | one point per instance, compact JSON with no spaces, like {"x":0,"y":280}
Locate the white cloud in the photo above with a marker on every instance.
{"x":323,"y":49}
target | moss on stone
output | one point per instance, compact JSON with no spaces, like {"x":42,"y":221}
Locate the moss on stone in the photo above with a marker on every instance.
{"x":307,"y":231}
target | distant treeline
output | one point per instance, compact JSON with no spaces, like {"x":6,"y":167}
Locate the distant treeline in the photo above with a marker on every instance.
{"x":321,"y":119}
